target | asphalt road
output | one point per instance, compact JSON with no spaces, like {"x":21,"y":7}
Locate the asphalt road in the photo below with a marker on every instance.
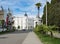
{"x":16,"y":37}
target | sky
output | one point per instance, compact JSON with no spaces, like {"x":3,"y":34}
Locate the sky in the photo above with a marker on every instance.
{"x":19,"y":7}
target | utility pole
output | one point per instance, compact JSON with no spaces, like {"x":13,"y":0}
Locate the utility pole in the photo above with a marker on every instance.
{"x":46,"y":12}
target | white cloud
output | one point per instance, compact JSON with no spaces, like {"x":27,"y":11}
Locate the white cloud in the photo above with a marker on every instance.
{"x":30,"y":8}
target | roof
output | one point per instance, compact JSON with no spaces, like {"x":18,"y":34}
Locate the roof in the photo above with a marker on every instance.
{"x":25,"y":14}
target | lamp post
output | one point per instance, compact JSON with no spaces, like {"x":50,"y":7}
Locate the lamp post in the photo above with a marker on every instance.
{"x":46,"y":12}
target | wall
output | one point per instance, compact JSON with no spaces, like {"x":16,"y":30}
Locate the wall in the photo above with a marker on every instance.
{"x":24,"y":22}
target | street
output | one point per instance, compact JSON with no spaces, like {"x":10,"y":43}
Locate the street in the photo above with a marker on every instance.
{"x":16,"y":37}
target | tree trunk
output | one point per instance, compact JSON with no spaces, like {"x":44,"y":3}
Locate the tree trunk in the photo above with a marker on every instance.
{"x":51,"y":33}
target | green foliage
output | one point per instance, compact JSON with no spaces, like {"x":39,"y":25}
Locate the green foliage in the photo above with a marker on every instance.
{"x":38,"y":4}
{"x":0,"y":22}
{"x":52,"y":28}
{"x":53,"y":13}
{"x":37,"y":28}
{"x":42,"y":29}
{"x":44,"y":15}
{"x":46,"y":39}
{"x":45,"y":29}
{"x":14,"y":28}
{"x":55,"y":1}
{"x":18,"y":27}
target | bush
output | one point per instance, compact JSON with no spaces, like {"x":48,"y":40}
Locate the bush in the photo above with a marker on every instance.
{"x":38,"y":28}
{"x":18,"y":27}
{"x":45,"y":29}
{"x":42,"y":29}
{"x":14,"y":28}
{"x":51,"y":29}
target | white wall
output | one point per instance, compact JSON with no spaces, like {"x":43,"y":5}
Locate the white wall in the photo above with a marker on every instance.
{"x":38,"y":20}
{"x":24,"y":22}
{"x":30,"y":23}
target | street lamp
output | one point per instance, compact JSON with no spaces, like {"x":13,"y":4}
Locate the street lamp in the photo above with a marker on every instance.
{"x":46,"y":12}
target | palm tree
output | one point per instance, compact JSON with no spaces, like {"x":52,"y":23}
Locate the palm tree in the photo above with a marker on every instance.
{"x":38,"y":7}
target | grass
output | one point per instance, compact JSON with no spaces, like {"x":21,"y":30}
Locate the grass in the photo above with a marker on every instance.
{"x":46,"y":39}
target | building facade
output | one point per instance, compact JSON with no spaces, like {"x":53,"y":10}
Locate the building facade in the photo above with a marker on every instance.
{"x":1,"y":13}
{"x":37,"y":21}
{"x":24,"y":22}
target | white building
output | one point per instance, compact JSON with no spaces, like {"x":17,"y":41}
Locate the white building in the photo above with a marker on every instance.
{"x":24,"y":22}
{"x":37,"y":21}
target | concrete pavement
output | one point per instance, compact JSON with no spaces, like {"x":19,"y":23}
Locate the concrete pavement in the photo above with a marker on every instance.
{"x":32,"y":39}
{"x":13,"y":38}
{"x":20,"y":37}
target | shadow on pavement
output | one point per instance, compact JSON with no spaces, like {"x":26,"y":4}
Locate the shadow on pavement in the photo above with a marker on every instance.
{"x":20,"y":31}
{"x":3,"y":37}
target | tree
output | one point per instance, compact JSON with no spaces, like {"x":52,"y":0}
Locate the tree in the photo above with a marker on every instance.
{"x":38,"y":7}
{"x":55,"y":1}
{"x":3,"y":24}
{"x":44,"y":15}
{"x":53,"y":13}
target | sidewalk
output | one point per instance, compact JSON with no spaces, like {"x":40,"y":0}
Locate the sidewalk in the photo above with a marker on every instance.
{"x":32,"y":39}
